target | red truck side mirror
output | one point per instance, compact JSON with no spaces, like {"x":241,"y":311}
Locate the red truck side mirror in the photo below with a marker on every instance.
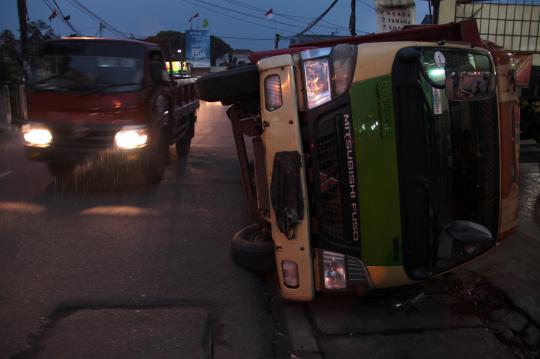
{"x":157,"y":73}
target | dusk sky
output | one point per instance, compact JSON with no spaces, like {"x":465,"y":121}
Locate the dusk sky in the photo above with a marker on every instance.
{"x":244,"y":27}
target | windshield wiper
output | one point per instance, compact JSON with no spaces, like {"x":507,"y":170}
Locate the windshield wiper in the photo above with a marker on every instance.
{"x":106,"y":86}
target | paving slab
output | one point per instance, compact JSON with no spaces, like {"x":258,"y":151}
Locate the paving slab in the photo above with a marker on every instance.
{"x":513,"y":268}
{"x":376,"y":315}
{"x":445,"y":344}
{"x":127,"y":333}
{"x":299,"y":328}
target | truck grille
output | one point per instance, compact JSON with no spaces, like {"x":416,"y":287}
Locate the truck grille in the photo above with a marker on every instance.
{"x":330,"y":193}
{"x":83,"y":137}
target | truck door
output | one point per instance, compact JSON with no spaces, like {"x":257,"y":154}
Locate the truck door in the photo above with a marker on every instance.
{"x":162,"y":91}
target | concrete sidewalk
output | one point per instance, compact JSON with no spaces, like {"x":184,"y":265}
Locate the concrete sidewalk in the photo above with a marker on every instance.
{"x":488,"y":308}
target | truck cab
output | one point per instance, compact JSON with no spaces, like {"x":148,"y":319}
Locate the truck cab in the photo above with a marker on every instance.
{"x":377,"y":159}
{"x":90,"y":97}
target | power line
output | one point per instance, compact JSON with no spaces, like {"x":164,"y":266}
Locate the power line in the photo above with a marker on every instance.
{"x":65,"y":18}
{"x":93,"y":15}
{"x":244,"y":38}
{"x":246,"y":14}
{"x":287,"y":16}
{"x":314,"y":22}
{"x":56,"y":9}
{"x":304,"y":20}
{"x":366,"y":4}
{"x":231,"y":16}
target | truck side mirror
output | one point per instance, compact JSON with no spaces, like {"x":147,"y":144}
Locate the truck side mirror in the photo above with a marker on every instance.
{"x":157,"y":73}
{"x":467,"y":86}
{"x":461,"y":240}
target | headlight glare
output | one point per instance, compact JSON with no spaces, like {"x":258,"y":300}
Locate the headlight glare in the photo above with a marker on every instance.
{"x":37,"y":136}
{"x":131,"y":138}
{"x":317,"y":82}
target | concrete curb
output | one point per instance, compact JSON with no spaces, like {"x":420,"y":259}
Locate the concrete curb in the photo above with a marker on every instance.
{"x":301,"y":334}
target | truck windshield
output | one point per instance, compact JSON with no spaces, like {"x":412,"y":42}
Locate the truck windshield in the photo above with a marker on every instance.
{"x":458,"y":146}
{"x":448,"y":144}
{"x":106,"y":66}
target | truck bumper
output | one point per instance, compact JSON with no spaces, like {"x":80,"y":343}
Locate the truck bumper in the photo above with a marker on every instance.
{"x":80,"y":155}
{"x":75,"y":143}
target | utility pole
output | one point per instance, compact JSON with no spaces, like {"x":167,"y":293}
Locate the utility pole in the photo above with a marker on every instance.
{"x":23,"y":26}
{"x":352,"y":19}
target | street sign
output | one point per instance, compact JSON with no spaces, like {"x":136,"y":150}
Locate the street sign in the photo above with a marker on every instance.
{"x":393,"y":15}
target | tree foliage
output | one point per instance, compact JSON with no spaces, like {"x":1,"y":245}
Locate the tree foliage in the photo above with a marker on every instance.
{"x":10,"y":50}
{"x":171,"y":41}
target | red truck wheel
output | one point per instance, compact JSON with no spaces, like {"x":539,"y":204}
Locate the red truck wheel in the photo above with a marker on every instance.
{"x":154,"y":166}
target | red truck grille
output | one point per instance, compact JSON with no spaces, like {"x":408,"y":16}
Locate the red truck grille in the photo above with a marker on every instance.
{"x":83,"y":137}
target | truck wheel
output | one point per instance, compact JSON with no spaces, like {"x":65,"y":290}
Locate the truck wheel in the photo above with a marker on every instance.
{"x":252,"y":251}
{"x":154,"y":166}
{"x":61,"y":169}
{"x":184,"y":144}
{"x":229,"y":86}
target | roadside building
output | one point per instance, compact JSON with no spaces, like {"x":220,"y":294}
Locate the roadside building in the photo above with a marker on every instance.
{"x":512,"y":24}
{"x":237,"y":56}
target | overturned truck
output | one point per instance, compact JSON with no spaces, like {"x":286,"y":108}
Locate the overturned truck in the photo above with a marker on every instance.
{"x":376,"y":161}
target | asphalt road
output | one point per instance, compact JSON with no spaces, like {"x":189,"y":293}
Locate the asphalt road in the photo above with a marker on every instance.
{"x":105,"y":264}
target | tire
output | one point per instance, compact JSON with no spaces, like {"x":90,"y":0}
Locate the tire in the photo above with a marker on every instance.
{"x":154,"y":166}
{"x":61,"y":169}
{"x":183,"y":145}
{"x":251,"y":251}
{"x":229,"y":86}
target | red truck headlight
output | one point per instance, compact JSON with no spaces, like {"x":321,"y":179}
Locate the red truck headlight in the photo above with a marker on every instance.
{"x":36,"y":135}
{"x":130,"y":138}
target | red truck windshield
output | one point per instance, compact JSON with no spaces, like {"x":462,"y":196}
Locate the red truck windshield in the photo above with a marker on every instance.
{"x":106,"y":66}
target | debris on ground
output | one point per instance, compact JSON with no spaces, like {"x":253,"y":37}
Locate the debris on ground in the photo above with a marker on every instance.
{"x":472,"y":294}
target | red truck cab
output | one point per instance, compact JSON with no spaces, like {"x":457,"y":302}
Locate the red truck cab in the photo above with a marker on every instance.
{"x":93,"y":96}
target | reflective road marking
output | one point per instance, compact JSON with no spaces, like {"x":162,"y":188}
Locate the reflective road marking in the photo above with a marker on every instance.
{"x":5,"y":174}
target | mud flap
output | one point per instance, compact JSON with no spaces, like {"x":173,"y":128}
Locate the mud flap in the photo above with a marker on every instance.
{"x":286,"y":191}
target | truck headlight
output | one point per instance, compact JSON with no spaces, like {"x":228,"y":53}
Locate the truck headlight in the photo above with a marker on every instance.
{"x":130,"y":138}
{"x":343,"y":272}
{"x":328,"y":72}
{"x":335,"y":271}
{"x":36,"y":135}
{"x":317,"y":81}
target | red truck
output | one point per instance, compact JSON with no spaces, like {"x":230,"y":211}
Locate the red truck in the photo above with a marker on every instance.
{"x":90,"y":97}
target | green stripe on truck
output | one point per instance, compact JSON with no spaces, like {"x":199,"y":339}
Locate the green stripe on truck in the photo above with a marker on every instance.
{"x":376,"y":160}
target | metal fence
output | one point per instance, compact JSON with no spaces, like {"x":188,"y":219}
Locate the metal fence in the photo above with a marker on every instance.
{"x":512,"y":24}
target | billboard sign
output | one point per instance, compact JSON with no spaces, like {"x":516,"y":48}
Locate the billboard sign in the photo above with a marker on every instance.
{"x":198,"y":47}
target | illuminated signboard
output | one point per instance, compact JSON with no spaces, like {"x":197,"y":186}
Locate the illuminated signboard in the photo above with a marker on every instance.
{"x":178,"y":67}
